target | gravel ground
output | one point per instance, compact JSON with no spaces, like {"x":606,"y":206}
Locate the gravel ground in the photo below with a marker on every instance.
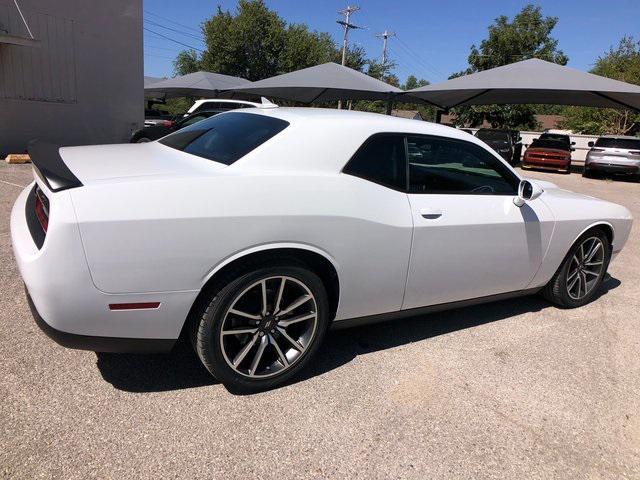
{"x":515,"y":389}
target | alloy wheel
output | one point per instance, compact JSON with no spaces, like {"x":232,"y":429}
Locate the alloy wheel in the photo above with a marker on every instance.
{"x":268,"y":326}
{"x":585,"y":268}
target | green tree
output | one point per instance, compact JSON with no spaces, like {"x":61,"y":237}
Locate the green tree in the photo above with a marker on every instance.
{"x":248,"y":44}
{"x":187,"y":61}
{"x":528,"y":35}
{"x":413,"y":82}
{"x":620,"y":63}
{"x":254,"y":42}
{"x":304,"y":49}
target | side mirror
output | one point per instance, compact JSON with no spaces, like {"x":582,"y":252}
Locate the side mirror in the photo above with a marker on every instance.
{"x":573,"y":143}
{"x":519,"y":139}
{"x":527,"y":191}
{"x":590,"y":144}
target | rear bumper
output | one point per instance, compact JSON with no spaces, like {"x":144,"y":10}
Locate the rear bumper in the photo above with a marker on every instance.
{"x":99,"y":344}
{"x":612,"y":168}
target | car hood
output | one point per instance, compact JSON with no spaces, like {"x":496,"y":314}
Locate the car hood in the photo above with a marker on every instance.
{"x":568,"y":205}
{"x":108,"y":162}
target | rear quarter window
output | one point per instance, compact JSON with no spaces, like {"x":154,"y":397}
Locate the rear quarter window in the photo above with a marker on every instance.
{"x":227,"y":137}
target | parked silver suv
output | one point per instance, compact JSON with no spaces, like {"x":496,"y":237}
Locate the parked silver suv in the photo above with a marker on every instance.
{"x":614,"y":154}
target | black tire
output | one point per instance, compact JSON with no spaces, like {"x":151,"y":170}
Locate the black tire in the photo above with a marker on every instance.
{"x":586,"y":174}
{"x":556,"y":292}
{"x":208,"y":323}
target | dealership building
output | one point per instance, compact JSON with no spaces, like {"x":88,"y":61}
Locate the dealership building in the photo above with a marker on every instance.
{"x":71,"y":72}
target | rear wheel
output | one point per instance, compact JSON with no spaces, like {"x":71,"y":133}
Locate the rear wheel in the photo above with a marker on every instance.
{"x":263,"y":327}
{"x":577,"y":280}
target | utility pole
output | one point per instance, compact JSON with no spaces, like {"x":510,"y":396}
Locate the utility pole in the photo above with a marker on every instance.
{"x":347,"y":26}
{"x":345,"y":23}
{"x":385,"y":36}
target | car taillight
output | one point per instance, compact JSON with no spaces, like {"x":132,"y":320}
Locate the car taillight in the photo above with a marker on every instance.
{"x":597,"y":150}
{"x":42,"y":209}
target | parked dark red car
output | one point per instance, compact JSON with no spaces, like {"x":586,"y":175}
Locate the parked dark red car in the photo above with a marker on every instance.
{"x":550,"y":153}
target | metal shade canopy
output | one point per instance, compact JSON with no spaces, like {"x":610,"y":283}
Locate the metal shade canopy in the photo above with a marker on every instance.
{"x":197,"y":84}
{"x":530,"y":81}
{"x":149,"y":80}
{"x":321,"y":83}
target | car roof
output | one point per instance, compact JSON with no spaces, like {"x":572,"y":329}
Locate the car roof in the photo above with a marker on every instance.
{"x":224,"y":100}
{"x":324,"y":138}
{"x":374,"y":122}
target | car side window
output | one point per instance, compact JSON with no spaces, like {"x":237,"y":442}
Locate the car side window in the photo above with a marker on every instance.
{"x":381,"y":159}
{"x":449,"y":166}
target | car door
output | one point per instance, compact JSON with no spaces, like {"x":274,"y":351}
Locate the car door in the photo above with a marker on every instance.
{"x":470,"y":240}
{"x":374,"y":272}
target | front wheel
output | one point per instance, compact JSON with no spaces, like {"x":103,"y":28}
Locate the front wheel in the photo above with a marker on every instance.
{"x":577,"y":280}
{"x":263,"y":327}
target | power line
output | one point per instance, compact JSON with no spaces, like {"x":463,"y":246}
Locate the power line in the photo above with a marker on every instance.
{"x":158,"y":56}
{"x":186,"y":34}
{"x":407,"y":61}
{"x":171,"y":49}
{"x":172,"y":21}
{"x":428,"y":65}
{"x":172,"y":40}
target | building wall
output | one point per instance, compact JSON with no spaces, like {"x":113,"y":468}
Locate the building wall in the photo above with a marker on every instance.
{"x":83,"y":84}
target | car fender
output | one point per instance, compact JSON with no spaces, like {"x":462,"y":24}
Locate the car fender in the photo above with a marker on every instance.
{"x":596,"y":224}
{"x":269,"y":246}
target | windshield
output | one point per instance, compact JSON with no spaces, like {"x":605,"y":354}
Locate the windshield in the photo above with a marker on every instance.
{"x":227,"y":137}
{"x":555,"y":136}
{"x":493,"y":136}
{"x":556,"y":143}
{"x":623,"y":143}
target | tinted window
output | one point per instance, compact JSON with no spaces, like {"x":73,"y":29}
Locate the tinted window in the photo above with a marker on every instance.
{"x":555,"y":136}
{"x":226,"y":137}
{"x":623,"y":143}
{"x":558,"y":144}
{"x":381,"y":159}
{"x":192,"y":120}
{"x":222,"y":106}
{"x":439,"y":165}
{"x":493,"y":136}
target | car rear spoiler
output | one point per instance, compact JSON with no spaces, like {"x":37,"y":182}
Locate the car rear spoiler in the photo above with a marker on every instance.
{"x":50,"y":167}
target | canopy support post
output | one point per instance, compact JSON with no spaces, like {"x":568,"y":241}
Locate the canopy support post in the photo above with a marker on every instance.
{"x":389,"y":105}
{"x":439,"y":113}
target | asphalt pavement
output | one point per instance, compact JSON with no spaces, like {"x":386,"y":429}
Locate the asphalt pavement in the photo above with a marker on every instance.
{"x":511,"y":390}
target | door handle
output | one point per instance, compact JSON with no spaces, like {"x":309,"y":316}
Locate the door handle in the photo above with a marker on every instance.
{"x":430,"y":213}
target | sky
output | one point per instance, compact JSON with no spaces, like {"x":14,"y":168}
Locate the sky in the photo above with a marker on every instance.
{"x":433,"y":37}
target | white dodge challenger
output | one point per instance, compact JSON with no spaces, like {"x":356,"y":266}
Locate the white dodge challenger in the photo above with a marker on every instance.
{"x":252,"y":232}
